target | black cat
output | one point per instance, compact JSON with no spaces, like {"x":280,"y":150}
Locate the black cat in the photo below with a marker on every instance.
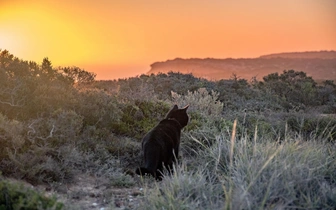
{"x":161,"y":144}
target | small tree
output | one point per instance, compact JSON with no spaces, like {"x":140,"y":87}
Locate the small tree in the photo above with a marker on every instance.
{"x":293,"y":87}
{"x":77,"y":75}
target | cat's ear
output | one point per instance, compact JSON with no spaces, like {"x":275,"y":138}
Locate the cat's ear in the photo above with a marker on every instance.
{"x":185,"y":108}
{"x":175,"y":107}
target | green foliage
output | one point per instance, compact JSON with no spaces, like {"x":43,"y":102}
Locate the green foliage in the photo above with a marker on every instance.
{"x":122,"y":180}
{"x":56,"y":129}
{"x":98,"y":108}
{"x":138,"y":118}
{"x":30,"y":90}
{"x":205,"y":113}
{"x":205,"y":110}
{"x":295,"y":87}
{"x":15,"y":196}
{"x":121,"y":146}
{"x":250,"y":122}
{"x":56,"y":123}
{"x":78,"y":76}
{"x":307,"y":125}
{"x":206,"y":103}
{"x":11,"y":134}
{"x":235,"y":94}
{"x":43,"y":150}
{"x":160,"y":85}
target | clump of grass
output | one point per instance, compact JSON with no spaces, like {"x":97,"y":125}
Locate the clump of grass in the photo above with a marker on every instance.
{"x":250,"y":173}
{"x":122,"y":180}
{"x":266,"y":174}
{"x":185,"y":189}
{"x":313,"y":126}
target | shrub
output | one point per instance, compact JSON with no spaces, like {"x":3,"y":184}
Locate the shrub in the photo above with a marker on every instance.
{"x":43,"y":150}
{"x":296,"y":87}
{"x":313,"y":126}
{"x":122,"y":180}
{"x":98,"y":108}
{"x":15,"y":196}
{"x":55,"y":130}
{"x":12,"y":136}
{"x":205,"y":111}
{"x":203,"y":102}
{"x":139,"y":117}
{"x":136,"y":89}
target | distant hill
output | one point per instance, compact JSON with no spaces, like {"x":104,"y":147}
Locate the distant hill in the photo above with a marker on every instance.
{"x":321,"y":65}
{"x":309,"y":55}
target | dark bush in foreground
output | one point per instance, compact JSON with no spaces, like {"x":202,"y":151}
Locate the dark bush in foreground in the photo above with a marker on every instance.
{"x":15,"y":196}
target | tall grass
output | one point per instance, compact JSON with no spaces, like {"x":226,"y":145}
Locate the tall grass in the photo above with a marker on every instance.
{"x":241,"y":173}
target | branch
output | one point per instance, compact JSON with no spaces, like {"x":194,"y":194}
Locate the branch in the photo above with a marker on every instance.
{"x":12,"y":104}
{"x":50,"y":134}
{"x":12,"y":93}
{"x":32,"y":131}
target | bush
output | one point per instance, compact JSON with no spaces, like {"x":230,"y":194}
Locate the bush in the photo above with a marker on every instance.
{"x":12,"y":136}
{"x":203,"y":102}
{"x":57,"y":129}
{"x":205,"y":110}
{"x":205,"y":115}
{"x":43,"y":150}
{"x":139,"y":117}
{"x":15,"y":196}
{"x":98,"y":108}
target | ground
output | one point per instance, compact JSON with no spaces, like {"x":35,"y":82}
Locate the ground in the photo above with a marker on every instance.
{"x":87,"y":192}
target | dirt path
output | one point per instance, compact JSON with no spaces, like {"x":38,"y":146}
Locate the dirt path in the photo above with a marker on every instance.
{"x":88,"y":192}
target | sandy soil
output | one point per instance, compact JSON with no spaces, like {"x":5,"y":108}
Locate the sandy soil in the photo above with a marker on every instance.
{"x":87,"y":192}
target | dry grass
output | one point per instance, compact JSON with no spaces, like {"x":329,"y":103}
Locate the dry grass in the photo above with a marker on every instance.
{"x":242,"y":174}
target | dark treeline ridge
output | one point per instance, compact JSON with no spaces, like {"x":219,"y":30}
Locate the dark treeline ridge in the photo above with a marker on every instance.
{"x":31,"y":90}
{"x":292,"y":90}
{"x":57,"y":122}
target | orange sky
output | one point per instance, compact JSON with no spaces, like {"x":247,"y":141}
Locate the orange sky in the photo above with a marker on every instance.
{"x":122,"y":38}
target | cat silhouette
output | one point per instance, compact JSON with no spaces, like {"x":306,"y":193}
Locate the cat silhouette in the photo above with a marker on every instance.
{"x":161,"y":144}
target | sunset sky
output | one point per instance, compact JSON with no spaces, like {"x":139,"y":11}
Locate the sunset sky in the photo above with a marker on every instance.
{"x":121,"y":38}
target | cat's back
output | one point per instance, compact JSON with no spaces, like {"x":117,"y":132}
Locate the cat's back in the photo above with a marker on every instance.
{"x":165,"y":129}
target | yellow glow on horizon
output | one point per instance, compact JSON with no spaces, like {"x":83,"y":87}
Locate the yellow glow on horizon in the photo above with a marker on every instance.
{"x":125,"y":34}
{"x":35,"y":33}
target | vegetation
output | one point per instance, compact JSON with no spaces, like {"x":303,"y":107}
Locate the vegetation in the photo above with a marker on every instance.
{"x":15,"y":196}
{"x":249,"y":144}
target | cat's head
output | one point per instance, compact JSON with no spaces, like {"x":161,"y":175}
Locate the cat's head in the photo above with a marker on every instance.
{"x":179,"y":114}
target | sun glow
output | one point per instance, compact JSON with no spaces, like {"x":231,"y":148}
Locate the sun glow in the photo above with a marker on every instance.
{"x":110,"y":36}
{"x":35,"y":33}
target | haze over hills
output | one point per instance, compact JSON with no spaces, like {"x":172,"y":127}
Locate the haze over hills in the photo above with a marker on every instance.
{"x":321,"y":65}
